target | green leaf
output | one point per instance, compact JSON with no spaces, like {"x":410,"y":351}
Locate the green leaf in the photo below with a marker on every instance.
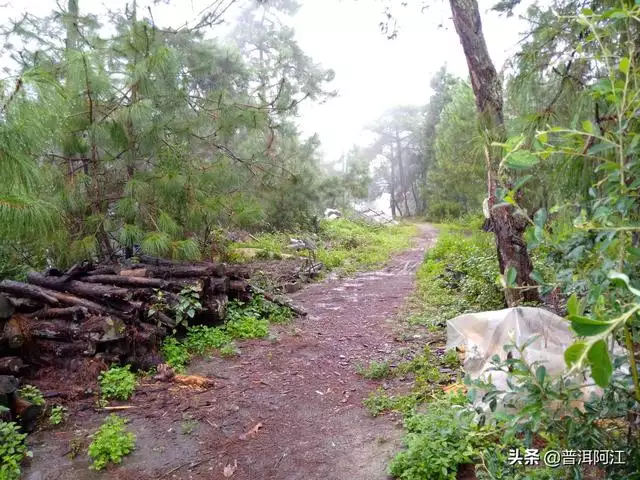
{"x":587,"y":126}
{"x":625,"y":279}
{"x":588,"y":327}
{"x":601,"y":366}
{"x":574,"y":352}
{"x":624,"y":65}
{"x":573,"y":304}
{"x":521,"y":160}
{"x":541,"y":373}
{"x":536,"y":277}
{"x":540,"y":217}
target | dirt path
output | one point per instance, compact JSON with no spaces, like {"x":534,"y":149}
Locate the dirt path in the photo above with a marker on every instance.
{"x":299,"y":387}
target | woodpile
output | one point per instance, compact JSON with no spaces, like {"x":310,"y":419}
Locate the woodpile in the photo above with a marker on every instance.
{"x":115,"y":313}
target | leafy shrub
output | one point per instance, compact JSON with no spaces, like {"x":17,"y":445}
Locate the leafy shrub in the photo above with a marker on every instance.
{"x":175,"y":353}
{"x":380,"y":401}
{"x":375,"y":370}
{"x":201,"y":339}
{"x":111,"y":442}
{"x":117,"y":382}
{"x":12,"y":450}
{"x":57,"y":415}
{"x":247,"y":327}
{"x":458,"y":275}
{"x":32,"y":394}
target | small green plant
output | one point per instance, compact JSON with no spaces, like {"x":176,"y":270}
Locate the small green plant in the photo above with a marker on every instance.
{"x":111,"y":442}
{"x":117,"y":383}
{"x":175,"y":353}
{"x":188,"y":304}
{"x":247,"y":327}
{"x":32,"y":394}
{"x":202,"y":339}
{"x":229,"y":350}
{"x":57,"y":415}
{"x":188,"y":425}
{"x":450,"y":358}
{"x":12,"y":450}
{"x":425,"y":369}
{"x":379,"y":402}
{"x":375,"y":370}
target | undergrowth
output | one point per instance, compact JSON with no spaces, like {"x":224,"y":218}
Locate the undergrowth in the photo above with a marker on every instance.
{"x":244,"y":320}
{"x":344,"y":245}
{"x":12,"y":450}
{"x":117,"y":383}
{"x":111,"y":442}
{"x":458,"y":275}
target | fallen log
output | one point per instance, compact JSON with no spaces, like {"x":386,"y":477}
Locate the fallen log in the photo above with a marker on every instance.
{"x":6,"y":307}
{"x":12,"y":333}
{"x":75,"y":314}
{"x":11,"y":365}
{"x":51,"y":329}
{"x":75,"y":287}
{"x":279,"y":300}
{"x":127,"y":281}
{"x":184,"y":271}
{"x":29,"y":291}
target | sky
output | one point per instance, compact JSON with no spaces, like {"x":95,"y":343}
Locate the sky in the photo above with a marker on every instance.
{"x":373,"y":74}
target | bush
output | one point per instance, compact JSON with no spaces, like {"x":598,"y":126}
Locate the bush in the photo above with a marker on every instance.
{"x":375,"y":370}
{"x":32,"y":394}
{"x":57,"y":415}
{"x":458,"y":275}
{"x":111,"y":442}
{"x":12,"y":450}
{"x":118,"y":383}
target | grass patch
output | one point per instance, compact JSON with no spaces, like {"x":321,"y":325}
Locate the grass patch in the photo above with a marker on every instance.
{"x":458,"y":275}
{"x":353,"y":246}
{"x":375,"y":370}
{"x":111,"y":443}
{"x":345,"y":245}
{"x":243,"y":321}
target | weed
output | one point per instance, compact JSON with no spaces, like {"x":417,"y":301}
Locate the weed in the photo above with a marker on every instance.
{"x":111,"y":442}
{"x":425,"y":368}
{"x":12,"y":450}
{"x":175,"y":353}
{"x":375,"y":370}
{"x":75,"y":447}
{"x":201,"y":339}
{"x":247,"y":327}
{"x":229,"y":350}
{"x":353,"y":246}
{"x":117,"y":382}
{"x":451,"y":359}
{"x":32,"y":394}
{"x":380,"y":401}
{"x":57,"y":415}
{"x":188,"y":425}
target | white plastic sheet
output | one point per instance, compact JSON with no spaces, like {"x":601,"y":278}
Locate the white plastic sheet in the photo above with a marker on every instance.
{"x":484,"y":335}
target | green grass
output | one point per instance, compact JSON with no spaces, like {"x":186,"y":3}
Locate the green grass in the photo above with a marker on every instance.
{"x":243,"y":321}
{"x":458,"y":275}
{"x":354,"y":246}
{"x":375,"y":370}
{"x":344,"y":245}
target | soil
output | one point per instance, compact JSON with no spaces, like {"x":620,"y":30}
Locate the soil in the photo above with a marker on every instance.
{"x":289,"y":407}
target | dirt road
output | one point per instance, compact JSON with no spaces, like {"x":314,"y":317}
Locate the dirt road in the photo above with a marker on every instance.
{"x":289,"y":407}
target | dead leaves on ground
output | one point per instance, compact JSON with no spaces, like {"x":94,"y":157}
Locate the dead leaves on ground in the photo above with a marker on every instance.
{"x":252,"y":432}
{"x":229,"y":469}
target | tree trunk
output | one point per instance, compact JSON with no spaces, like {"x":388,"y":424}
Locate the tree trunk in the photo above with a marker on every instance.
{"x":403,"y":178}
{"x":488,"y":93}
{"x":392,"y":186}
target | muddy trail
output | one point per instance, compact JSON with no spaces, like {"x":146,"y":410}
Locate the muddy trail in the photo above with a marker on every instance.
{"x":289,"y":407}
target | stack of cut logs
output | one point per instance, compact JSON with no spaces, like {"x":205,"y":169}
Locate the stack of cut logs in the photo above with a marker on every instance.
{"x":118,"y":313}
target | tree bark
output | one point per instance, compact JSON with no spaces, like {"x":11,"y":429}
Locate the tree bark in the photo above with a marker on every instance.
{"x":487,"y":88}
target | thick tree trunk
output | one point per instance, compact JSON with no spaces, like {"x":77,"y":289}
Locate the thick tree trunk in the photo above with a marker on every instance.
{"x":488,"y":92}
